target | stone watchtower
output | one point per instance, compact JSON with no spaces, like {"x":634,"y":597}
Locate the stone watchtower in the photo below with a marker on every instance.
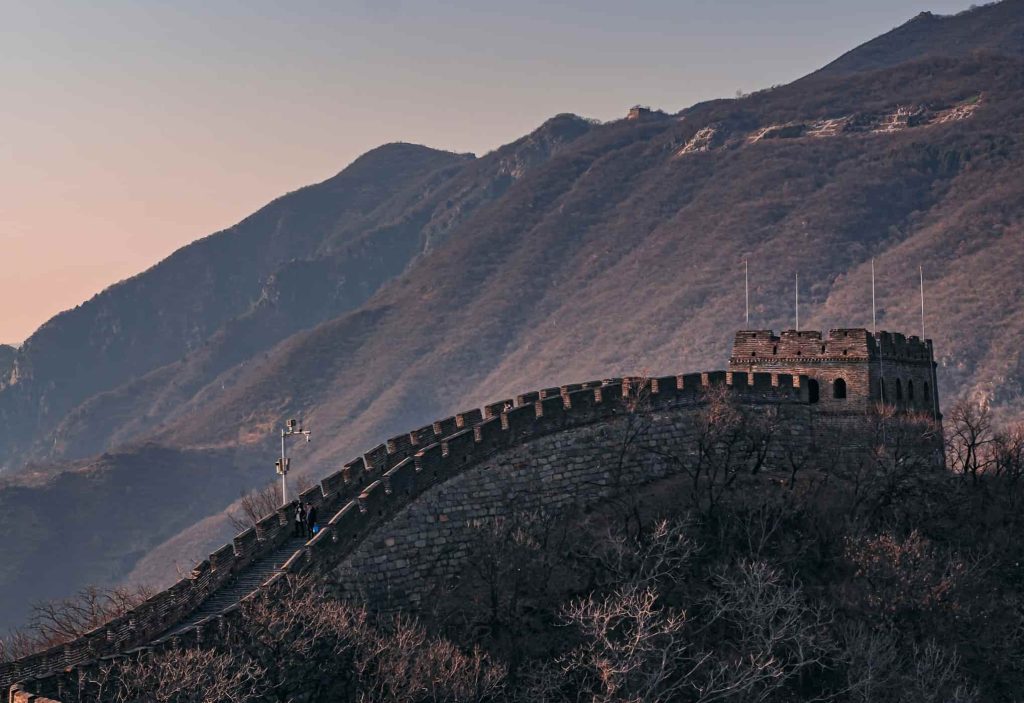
{"x":852,"y":371}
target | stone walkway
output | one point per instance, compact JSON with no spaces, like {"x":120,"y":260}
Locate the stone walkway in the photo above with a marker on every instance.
{"x":244,"y":583}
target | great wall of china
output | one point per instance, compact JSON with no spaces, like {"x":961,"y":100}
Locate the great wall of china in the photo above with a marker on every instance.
{"x":410,"y":501}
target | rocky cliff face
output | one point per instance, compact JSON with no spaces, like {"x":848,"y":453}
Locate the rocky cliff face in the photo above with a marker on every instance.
{"x":417,"y":282}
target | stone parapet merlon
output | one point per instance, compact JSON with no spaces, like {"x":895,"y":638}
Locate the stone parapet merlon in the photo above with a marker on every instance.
{"x":843,"y":345}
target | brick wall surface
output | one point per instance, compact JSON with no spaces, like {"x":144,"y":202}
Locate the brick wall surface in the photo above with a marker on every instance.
{"x":427,"y":541}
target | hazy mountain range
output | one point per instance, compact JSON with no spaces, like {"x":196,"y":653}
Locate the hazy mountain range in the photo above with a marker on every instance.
{"x":419,"y":282}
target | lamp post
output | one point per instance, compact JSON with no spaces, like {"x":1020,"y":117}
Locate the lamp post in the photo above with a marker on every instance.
{"x":291,"y":429}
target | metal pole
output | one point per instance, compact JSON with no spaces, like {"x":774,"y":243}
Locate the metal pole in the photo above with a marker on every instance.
{"x":920,"y":270}
{"x":746,"y":290}
{"x":797,"y":288}
{"x":878,"y":342}
{"x":874,"y":324}
{"x":284,"y":473}
{"x":935,"y":381}
{"x":931,"y":354}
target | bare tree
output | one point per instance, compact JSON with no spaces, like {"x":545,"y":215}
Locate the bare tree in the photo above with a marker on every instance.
{"x":771,"y":634}
{"x":643,"y":560}
{"x":506,"y":582}
{"x":403,"y":664}
{"x":177,"y":676}
{"x":635,"y":424}
{"x":298,"y":643}
{"x":305,"y":640}
{"x":872,"y":664}
{"x":753,"y":636}
{"x":631,"y":649}
{"x":969,"y":438}
{"x":506,"y":552}
{"x":935,"y":677}
{"x":1005,"y":470}
{"x":895,"y":464}
{"x":761,"y":525}
{"x":58,"y":621}
{"x":258,"y":503}
{"x":1008,"y":454}
{"x":729,"y":441}
{"x":879,"y":670}
{"x":903,"y":575}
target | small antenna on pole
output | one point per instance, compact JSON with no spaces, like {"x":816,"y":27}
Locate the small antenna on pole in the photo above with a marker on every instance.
{"x":797,"y":291}
{"x":920,"y":270}
{"x":874,"y":325}
{"x":746,"y":290}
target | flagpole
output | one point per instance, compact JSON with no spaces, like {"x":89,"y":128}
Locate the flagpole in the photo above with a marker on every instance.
{"x":746,"y":290}
{"x":797,"y":291}
{"x":920,"y":270}
{"x":874,"y":324}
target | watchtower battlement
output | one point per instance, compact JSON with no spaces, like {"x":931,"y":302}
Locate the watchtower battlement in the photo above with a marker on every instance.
{"x":850,"y":370}
{"x":841,"y":344}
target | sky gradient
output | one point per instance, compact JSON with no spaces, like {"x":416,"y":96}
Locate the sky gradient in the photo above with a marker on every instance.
{"x":129,"y":129}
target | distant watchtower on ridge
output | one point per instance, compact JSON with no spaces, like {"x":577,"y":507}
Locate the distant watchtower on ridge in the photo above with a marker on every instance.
{"x":852,"y":371}
{"x":638,"y":112}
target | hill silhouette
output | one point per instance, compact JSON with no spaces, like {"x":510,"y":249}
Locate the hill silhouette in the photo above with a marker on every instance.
{"x":996,"y":27}
{"x":417,"y":282}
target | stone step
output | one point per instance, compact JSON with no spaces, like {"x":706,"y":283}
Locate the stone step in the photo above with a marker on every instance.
{"x":248,"y":581}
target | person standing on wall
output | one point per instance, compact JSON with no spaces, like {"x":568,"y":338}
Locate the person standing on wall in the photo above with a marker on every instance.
{"x":310,"y":521}
{"x":300,"y":519}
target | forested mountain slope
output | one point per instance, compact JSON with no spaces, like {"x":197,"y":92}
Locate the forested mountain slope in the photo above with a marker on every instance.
{"x":172,"y":309}
{"x":356,"y":257}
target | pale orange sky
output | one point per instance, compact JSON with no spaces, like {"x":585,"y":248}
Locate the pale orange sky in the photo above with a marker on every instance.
{"x":130,"y":129}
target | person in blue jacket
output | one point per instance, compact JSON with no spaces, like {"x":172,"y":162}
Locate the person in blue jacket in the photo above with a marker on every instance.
{"x":311,"y":522}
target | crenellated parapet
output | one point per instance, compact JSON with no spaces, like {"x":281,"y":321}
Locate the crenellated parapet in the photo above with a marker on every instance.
{"x":852,"y":370}
{"x":849,"y":345}
{"x":370,"y":488}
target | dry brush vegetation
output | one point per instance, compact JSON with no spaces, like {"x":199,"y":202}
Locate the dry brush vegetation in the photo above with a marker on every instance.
{"x":882,"y":579}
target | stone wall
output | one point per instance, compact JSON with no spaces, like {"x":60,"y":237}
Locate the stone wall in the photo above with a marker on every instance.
{"x":370,"y":490}
{"x":427,"y":542}
{"x":149,"y":621}
{"x":885,"y":368}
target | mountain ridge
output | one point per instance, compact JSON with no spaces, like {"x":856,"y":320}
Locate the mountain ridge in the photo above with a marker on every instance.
{"x":996,"y":27}
{"x":127,"y":329}
{"x":304,"y":291}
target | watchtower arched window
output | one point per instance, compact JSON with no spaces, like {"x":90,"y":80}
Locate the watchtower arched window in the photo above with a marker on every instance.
{"x":839,"y":388}
{"x":899,"y":391}
{"x":812,"y":390}
{"x":775,"y":349}
{"x":925,"y":397}
{"x":910,"y":391}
